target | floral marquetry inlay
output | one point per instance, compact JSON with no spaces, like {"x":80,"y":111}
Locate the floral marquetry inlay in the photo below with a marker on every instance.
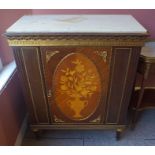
{"x":77,"y":90}
{"x":78,"y":83}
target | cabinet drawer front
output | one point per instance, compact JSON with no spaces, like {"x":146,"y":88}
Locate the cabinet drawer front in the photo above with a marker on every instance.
{"x":77,"y":81}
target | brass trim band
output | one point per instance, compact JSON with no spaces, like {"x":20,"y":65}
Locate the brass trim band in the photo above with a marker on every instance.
{"x":77,"y":127}
{"x":76,"y":40}
{"x":146,"y":59}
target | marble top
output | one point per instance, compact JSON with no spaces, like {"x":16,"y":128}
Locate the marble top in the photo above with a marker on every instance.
{"x":62,"y":24}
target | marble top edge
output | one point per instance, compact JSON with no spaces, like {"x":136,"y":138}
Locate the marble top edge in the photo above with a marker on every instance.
{"x":76,"y":24}
{"x":77,"y":34}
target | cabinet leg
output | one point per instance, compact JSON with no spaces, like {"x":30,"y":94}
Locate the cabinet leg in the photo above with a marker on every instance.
{"x":140,"y":97}
{"x":119,"y":133}
{"x":134,"y":119}
{"x":36,"y":133}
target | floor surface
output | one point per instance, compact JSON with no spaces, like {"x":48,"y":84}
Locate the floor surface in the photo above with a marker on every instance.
{"x":142,"y":135}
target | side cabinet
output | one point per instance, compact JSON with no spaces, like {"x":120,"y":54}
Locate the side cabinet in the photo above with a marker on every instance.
{"x":77,"y":71}
{"x":77,"y":87}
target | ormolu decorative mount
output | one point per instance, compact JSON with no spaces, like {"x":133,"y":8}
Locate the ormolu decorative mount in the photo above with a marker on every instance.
{"x":58,"y":120}
{"x":103,"y":54}
{"x":49,"y":54}
{"x":96,"y":120}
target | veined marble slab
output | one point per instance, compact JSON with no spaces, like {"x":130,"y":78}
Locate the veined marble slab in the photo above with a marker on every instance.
{"x":64,"y":24}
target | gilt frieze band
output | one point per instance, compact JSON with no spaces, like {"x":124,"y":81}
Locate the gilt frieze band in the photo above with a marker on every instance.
{"x":76,"y":40}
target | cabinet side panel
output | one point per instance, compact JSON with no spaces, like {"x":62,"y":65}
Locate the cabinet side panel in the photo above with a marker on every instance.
{"x":31,"y":61}
{"x":129,"y":84}
{"x":119,"y":70}
{"x":25,"y":88}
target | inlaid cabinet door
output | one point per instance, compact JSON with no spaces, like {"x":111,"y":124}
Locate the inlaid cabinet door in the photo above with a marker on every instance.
{"x":76,"y":80}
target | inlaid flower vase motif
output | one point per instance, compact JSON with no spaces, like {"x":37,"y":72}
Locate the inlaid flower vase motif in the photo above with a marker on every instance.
{"x":78,"y":82}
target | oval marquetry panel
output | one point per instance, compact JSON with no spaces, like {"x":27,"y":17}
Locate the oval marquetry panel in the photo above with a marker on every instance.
{"x":77,"y":86}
